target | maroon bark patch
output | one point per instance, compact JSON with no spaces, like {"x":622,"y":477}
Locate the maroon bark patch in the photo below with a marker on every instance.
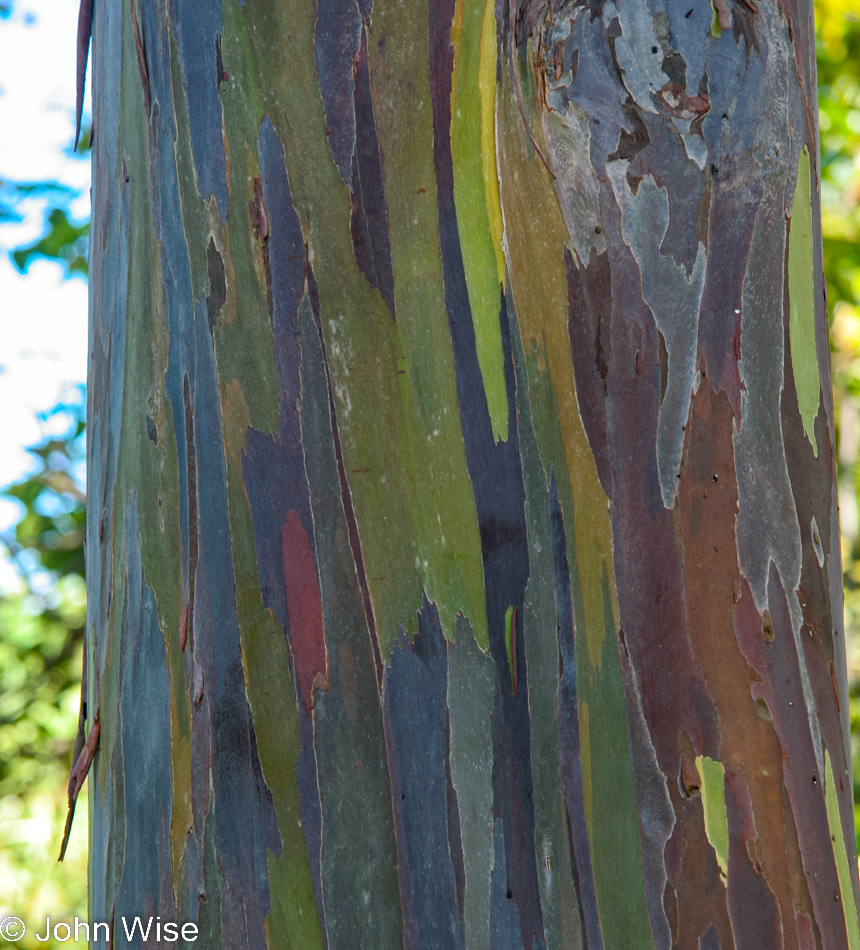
{"x":304,"y":610}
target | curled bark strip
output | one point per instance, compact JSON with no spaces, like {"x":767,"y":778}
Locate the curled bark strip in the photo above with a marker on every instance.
{"x":76,"y":779}
{"x":724,"y":14}
{"x":85,"y":27}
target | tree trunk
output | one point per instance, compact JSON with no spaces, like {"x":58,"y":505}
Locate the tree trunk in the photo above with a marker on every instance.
{"x":464,"y":562}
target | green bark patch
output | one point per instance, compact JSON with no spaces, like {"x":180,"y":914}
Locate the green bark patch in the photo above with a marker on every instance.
{"x":511,"y":645}
{"x":355,"y":859}
{"x":610,"y":792}
{"x":444,"y":520}
{"x":716,"y":29}
{"x":804,"y":359}
{"x":541,"y":635}
{"x":471,"y":690}
{"x":476,"y":191}
{"x":841,"y":855}
{"x":712,"y":776}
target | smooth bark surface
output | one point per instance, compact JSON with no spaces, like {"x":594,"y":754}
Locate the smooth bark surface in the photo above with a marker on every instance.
{"x":463,"y":549}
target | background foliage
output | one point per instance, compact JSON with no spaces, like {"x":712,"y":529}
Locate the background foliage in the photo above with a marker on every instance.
{"x":42,"y":622}
{"x":41,"y":639}
{"x":838,"y":24}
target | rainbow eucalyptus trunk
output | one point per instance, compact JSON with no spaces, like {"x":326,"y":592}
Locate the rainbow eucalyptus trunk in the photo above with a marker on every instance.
{"x":464,"y":564}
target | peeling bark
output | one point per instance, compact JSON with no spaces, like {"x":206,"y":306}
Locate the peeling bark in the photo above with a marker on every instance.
{"x":463,"y":557}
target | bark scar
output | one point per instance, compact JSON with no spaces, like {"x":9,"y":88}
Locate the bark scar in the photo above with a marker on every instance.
{"x":141,"y":59}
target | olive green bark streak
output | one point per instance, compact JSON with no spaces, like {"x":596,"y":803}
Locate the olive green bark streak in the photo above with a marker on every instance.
{"x":473,"y":224}
{"x":445,"y":520}
{"x":546,"y":429}
{"x":471,"y":692}
{"x":357,"y":857}
{"x":712,"y":779}
{"x":801,"y":293}
{"x":398,"y":417}
{"x":559,"y":908}
{"x":244,"y":343}
{"x":509,"y":644}
{"x":616,"y":850}
{"x":839,"y":851}
{"x":546,"y":426}
{"x":609,"y":788}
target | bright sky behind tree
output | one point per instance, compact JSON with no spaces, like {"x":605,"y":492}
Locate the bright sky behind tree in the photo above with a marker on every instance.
{"x":43,"y":317}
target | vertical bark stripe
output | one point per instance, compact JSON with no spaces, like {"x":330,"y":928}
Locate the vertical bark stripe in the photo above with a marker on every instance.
{"x":804,"y":361}
{"x":304,"y":609}
{"x":473,"y":130}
